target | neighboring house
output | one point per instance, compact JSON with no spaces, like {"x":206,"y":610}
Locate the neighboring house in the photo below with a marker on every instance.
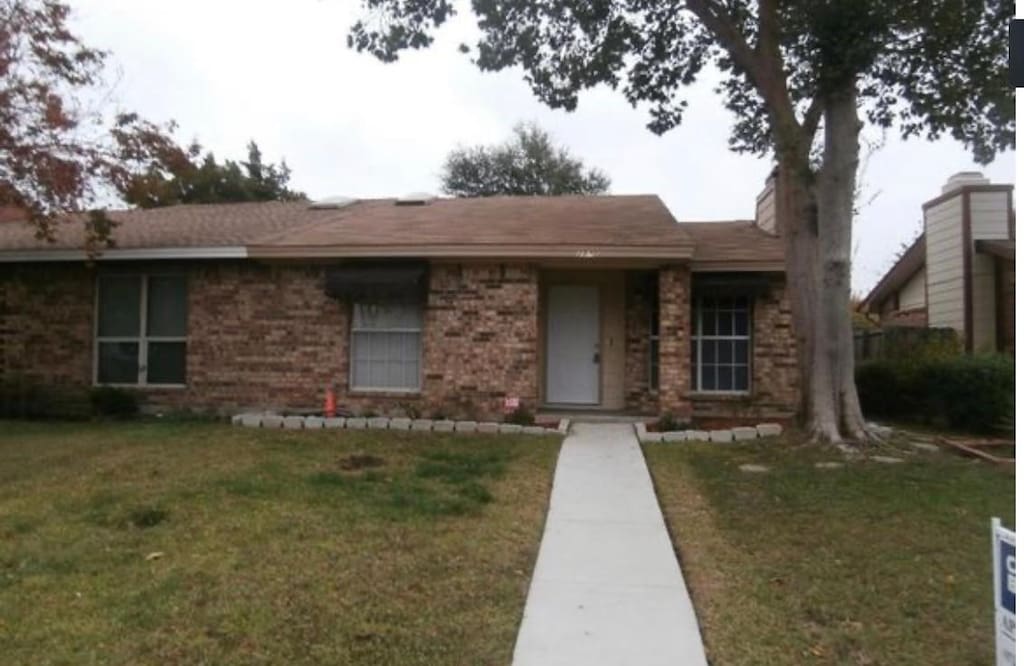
{"x":959,"y":273}
{"x":436,"y":306}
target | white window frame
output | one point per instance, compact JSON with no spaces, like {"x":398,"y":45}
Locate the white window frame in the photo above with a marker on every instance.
{"x":142,"y":339}
{"x":699,"y":337}
{"x":352,"y":344}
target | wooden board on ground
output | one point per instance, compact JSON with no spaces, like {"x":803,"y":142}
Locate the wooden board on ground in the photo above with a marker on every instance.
{"x":974,"y":448}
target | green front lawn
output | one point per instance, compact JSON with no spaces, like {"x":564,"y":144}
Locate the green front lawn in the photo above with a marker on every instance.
{"x":199,"y":543}
{"x":870,"y":563}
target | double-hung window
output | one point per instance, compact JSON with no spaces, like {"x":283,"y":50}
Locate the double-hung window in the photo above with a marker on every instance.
{"x":720,"y":347}
{"x":386,"y":346}
{"x":141,"y":330}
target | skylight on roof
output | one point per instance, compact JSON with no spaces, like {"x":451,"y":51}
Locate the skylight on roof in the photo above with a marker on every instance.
{"x":415,"y":199}
{"x":332,"y":203}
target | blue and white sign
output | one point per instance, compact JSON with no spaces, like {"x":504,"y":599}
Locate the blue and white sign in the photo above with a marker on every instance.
{"x":1004,"y":578}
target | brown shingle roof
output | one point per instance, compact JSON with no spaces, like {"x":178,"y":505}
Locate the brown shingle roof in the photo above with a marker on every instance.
{"x":186,"y":226}
{"x":633,"y":225}
{"x":600,"y":226}
{"x":740,"y":242}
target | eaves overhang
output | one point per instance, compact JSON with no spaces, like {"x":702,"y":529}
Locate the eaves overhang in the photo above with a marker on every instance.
{"x":126,"y":254}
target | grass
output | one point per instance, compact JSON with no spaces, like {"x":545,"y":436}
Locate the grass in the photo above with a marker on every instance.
{"x":199,"y":543}
{"x":870,"y":563}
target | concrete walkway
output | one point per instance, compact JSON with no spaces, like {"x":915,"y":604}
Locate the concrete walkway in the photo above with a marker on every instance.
{"x":607,"y":588}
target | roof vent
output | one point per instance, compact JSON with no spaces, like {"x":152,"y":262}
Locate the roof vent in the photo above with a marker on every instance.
{"x":415,"y":199}
{"x":330,"y":203}
{"x":962,"y":179}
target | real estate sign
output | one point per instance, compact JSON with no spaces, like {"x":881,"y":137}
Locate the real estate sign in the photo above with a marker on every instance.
{"x":1004,"y":578}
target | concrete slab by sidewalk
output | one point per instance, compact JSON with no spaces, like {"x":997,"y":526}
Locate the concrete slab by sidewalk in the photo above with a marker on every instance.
{"x":607,"y":588}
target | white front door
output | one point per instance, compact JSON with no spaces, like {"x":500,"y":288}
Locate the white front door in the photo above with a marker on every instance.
{"x":573,"y":345}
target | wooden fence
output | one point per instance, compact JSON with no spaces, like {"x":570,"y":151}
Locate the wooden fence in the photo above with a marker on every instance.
{"x":903,"y":342}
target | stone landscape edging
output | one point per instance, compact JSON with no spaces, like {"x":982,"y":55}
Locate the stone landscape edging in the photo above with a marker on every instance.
{"x":278,"y":422}
{"x":739,"y":433}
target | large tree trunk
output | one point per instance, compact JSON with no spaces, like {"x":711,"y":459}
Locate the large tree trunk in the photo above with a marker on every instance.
{"x":797,"y":219}
{"x":836,"y":184}
{"x":818,"y":213}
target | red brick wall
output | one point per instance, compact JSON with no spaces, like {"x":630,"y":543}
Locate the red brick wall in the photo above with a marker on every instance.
{"x":674,"y":342}
{"x":775,"y":388}
{"x":480,"y":339}
{"x":260,"y":336}
{"x":46,"y":320}
{"x":269,"y":337}
{"x":639,"y":302}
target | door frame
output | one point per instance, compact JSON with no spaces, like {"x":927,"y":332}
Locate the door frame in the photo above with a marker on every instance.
{"x":545,"y":305}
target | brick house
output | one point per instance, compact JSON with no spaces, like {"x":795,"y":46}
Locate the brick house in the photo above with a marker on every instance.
{"x":960,"y":272}
{"x":435,"y":306}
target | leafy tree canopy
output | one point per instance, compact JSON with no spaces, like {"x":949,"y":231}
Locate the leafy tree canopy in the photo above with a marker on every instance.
{"x":529,"y":163}
{"x":926,"y":67}
{"x":204,"y":180}
{"x":58,"y":152}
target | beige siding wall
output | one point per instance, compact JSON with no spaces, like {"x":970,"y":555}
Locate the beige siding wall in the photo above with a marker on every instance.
{"x":989,"y":215}
{"x":943,"y":225}
{"x":1009,"y":293}
{"x":989,"y":220}
{"x":912,"y":295}
{"x":984,"y":303}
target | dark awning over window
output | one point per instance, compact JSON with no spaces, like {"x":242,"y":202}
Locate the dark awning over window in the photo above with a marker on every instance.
{"x":377,"y":282}
{"x":732,"y":284}
{"x":1003,"y":248}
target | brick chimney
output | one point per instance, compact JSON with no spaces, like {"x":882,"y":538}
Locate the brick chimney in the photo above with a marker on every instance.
{"x":12,"y":214}
{"x":764,"y":213}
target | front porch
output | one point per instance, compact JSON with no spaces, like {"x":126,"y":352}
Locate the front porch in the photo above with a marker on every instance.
{"x":549,"y":415}
{"x":636,"y":343}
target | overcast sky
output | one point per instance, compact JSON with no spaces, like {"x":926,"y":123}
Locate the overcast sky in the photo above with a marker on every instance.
{"x":279,"y":73}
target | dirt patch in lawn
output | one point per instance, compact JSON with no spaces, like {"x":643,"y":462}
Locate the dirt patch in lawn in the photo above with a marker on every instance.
{"x":358,"y":461}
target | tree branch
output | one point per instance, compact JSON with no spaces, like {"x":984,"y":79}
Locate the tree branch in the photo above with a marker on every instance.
{"x":728,"y":35}
{"x":812,"y":117}
{"x":767,"y":29}
{"x":762,"y":63}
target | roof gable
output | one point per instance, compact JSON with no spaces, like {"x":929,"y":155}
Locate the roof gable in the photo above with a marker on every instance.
{"x":905,"y":268}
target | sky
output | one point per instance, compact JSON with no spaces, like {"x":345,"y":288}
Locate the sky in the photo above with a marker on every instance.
{"x":228,"y":71}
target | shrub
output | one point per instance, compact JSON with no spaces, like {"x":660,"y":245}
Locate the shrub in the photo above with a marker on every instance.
{"x":973,"y":393}
{"x":668,"y":423}
{"x":109,"y":401}
{"x":191,"y":415}
{"x":520,"y":416}
{"x":409,"y":410}
{"x":24,"y":398}
{"x":921,"y":344}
